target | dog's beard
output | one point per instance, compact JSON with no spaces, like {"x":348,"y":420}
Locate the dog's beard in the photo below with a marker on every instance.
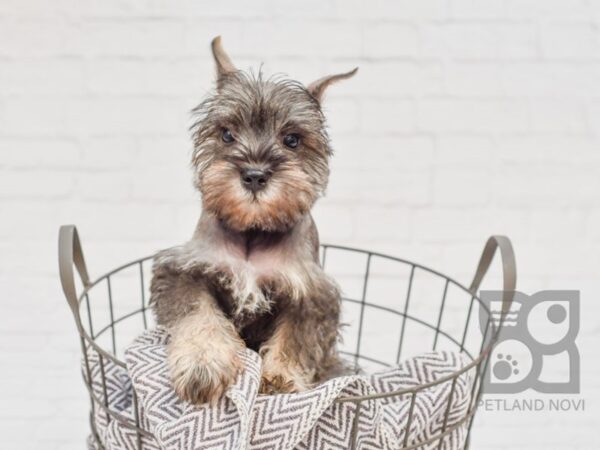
{"x":288,"y":196}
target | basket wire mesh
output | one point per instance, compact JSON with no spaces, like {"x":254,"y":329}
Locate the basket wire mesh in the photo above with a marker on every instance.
{"x":101,"y":338}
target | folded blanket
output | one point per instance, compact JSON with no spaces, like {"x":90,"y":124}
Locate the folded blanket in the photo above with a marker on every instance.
{"x":308,"y":420}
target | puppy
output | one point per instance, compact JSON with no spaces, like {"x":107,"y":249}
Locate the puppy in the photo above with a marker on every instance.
{"x":250,"y":275}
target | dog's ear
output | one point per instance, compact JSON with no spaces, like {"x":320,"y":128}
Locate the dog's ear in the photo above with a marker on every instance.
{"x":317,"y":88}
{"x":224,"y":64}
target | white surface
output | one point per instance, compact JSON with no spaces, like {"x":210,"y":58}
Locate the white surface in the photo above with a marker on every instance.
{"x":467,"y":118}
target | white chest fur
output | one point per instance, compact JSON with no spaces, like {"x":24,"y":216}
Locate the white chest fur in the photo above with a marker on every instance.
{"x":250,"y":277}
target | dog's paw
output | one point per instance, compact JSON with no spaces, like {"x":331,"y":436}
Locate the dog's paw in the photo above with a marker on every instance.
{"x":201,"y":375}
{"x":277,"y":384}
{"x":282,"y":378}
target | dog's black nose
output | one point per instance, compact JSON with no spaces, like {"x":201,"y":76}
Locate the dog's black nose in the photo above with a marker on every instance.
{"x":254,"y":179}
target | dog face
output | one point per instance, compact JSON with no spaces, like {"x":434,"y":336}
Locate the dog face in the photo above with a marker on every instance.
{"x":261,"y":149}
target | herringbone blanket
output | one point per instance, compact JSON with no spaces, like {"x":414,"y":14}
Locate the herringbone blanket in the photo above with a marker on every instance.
{"x":308,"y":420}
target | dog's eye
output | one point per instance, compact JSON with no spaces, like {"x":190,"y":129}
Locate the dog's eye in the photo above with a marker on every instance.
{"x":291,"y":140}
{"x":227,"y":136}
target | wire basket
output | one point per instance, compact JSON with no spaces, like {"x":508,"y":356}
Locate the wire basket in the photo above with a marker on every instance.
{"x":423,"y":308}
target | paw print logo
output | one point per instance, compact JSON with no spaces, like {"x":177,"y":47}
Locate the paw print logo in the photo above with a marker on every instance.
{"x":510,"y":365}
{"x":505,"y":367}
{"x":538,"y":330}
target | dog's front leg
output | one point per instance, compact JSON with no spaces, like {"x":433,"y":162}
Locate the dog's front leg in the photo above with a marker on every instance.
{"x":203,"y":353}
{"x":295,"y":352}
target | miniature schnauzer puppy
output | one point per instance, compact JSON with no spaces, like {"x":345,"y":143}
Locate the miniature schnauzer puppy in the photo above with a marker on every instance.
{"x":250,"y":275}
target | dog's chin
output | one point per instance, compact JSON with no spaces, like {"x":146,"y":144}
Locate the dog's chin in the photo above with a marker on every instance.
{"x":256,"y":215}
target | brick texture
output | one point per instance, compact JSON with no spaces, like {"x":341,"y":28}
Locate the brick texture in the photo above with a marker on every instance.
{"x":467,"y":118}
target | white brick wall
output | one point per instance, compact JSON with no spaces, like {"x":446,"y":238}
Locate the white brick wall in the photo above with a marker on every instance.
{"x":467,"y":118}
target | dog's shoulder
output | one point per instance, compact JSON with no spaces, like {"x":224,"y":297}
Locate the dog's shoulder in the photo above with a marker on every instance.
{"x":186,"y":258}
{"x":177,"y":282}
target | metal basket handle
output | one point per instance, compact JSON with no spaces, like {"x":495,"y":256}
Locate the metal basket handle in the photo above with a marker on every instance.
{"x":69,"y":255}
{"x":509,"y":268}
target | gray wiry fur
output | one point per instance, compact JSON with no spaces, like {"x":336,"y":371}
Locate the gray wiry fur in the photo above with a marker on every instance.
{"x":250,"y":274}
